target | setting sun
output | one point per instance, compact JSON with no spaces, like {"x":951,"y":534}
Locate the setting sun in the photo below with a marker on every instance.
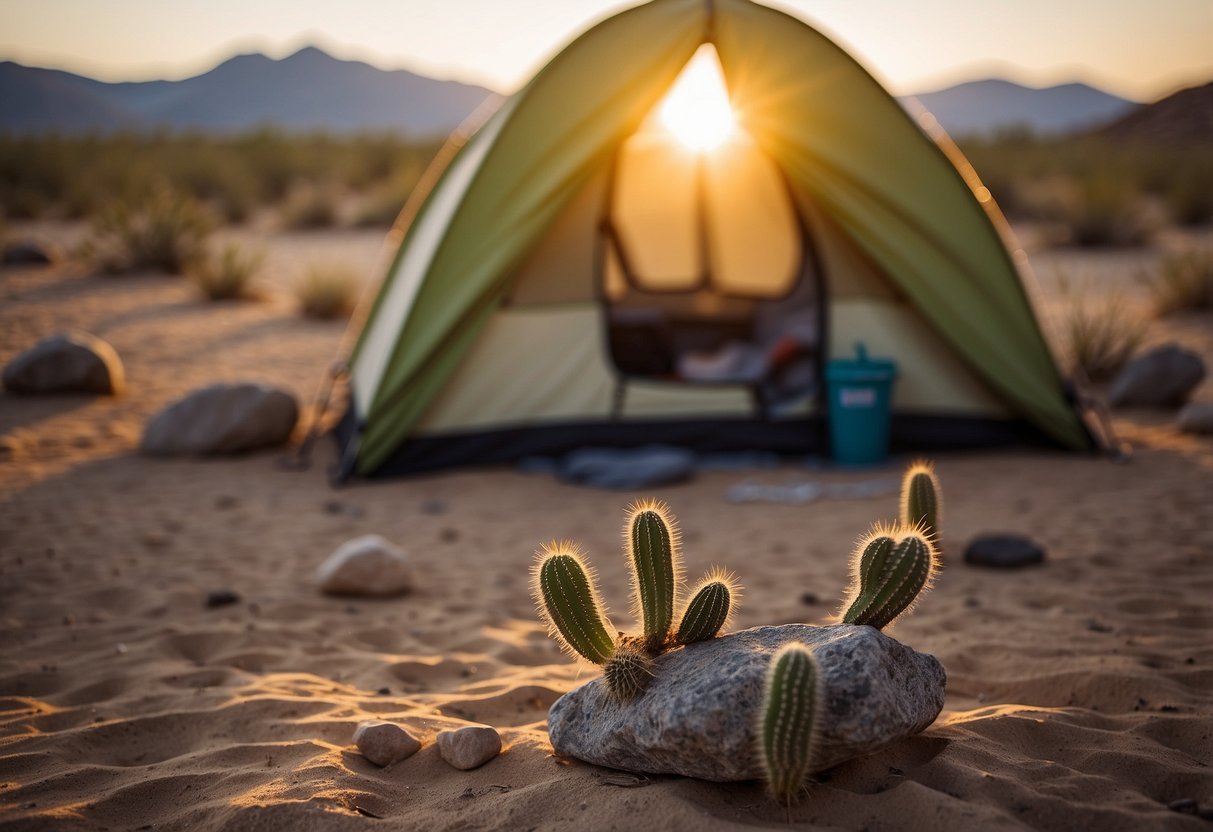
{"x":696,"y":109}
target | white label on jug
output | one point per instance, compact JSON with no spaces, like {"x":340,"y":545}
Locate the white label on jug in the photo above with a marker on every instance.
{"x":857,"y":397}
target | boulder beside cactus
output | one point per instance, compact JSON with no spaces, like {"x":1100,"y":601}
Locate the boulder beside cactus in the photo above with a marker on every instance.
{"x":699,"y":716}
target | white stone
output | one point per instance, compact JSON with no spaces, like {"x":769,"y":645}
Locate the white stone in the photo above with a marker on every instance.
{"x":367,"y":565}
{"x":470,"y":747}
{"x":384,"y":743}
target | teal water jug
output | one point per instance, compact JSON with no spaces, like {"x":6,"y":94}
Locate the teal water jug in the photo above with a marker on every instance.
{"x":859,"y":392}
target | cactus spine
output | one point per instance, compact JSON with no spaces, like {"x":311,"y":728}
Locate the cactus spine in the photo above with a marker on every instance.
{"x":920,"y":499}
{"x":891,"y":568}
{"x":565,"y":594}
{"x":629,"y":671}
{"x":791,"y":705}
{"x":709,"y":610}
{"x":652,"y":543}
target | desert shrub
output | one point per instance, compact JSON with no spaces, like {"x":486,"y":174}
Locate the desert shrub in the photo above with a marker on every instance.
{"x":311,"y":208}
{"x":165,"y":232}
{"x":1100,"y":333}
{"x":1182,"y":282}
{"x":327,"y":291}
{"x":1106,"y":211}
{"x":78,"y":176}
{"x":228,"y":276}
{"x":1190,"y":200}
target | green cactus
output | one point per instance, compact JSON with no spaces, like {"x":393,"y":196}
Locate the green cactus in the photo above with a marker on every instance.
{"x":564,"y":592}
{"x":791,"y":704}
{"x":629,"y":670}
{"x":920,"y":499}
{"x":652,"y":543}
{"x":891,"y":567}
{"x":563,"y":587}
{"x":709,"y":610}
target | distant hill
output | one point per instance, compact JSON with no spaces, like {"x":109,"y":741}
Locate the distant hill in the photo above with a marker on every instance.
{"x":1185,"y":117}
{"x":309,"y":90}
{"x":985,"y":107}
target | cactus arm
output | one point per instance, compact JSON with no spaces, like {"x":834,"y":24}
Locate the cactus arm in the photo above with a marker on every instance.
{"x":891,"y":590}
{"x":791,"y":707}
{"x":564,"y":592}
{"x":712,"y":605}
{"x":652,"y":546}
{"x":868,"y":562}
{"x":920,"y":499}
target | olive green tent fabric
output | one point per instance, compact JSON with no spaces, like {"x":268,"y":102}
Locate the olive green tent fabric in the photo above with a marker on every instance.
{"x":843,"y":143}
{"x":840,"y":137}
{"x":566,"y":121}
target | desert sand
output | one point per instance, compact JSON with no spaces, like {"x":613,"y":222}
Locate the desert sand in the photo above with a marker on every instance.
{"x":1080,"y":693}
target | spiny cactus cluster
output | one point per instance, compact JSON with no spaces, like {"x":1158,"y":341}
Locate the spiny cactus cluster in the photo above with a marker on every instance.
{"x":563,"y":585}
{"x":891,"y":566}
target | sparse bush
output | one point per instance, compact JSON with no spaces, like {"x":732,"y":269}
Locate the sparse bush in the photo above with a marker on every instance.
{"x":228,"y":276}
{"x":166,"y":233}
{"x":1106,"y":212}
{"x":1190,"y":200}
{"x":328,"y":291}
{"x":311,"y":208}
{"x":1183,"y":282}
{"x":1099,"y":335}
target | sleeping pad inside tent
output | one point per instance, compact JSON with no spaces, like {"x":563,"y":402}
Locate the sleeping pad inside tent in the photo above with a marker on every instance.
{"x":619,"y":256}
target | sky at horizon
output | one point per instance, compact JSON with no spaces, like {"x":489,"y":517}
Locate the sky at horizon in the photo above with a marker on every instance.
{"x":1135,"y":49}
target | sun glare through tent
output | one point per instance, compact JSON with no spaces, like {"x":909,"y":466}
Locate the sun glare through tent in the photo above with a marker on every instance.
{"x":696,"y":109}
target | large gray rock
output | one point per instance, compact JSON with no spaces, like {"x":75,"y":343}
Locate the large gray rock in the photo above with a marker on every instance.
{"x":369,"y":565}
{"x":1163,"y":377}
{"x":1196,"y":418}
{"x":74,"y":362}
{"x":222,"y":419}
{"x":699,"y":716}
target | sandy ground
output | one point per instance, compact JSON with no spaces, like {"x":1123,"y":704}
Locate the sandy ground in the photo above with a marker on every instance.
{"x":1080,"y":693}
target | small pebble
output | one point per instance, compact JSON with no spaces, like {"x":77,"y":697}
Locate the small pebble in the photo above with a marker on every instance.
{"x":469,"y":747}
{"x":384,"y":743}
{"x":1004,"y":551}
{"x":809,"y":599}
{"x":221,"y":598}
{"x":1184,"y":804}
{"x":384,"y":691}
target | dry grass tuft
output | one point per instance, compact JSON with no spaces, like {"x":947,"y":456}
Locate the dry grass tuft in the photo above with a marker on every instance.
{"x":1183,"y":282}
{"x":228,"y":276}
{"x":1100,"y":334}
{"x":164,"y":232}
{"x":328,"y":291}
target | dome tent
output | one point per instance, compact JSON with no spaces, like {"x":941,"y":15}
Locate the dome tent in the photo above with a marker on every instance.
{"x":547,"y":278}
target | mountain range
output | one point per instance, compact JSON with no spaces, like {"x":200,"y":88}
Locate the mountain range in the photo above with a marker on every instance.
{"x":311,"y":90}
{"x":985,"y":107}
